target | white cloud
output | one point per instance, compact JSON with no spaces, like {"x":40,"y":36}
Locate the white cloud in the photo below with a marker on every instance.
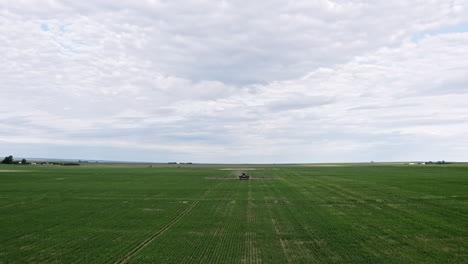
{"x":253,"y":82}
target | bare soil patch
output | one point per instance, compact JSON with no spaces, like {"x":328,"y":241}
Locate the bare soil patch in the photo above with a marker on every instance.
{"x":325,"y":165}
{"x":238,"y":169}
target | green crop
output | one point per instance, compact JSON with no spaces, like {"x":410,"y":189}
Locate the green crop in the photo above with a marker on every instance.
{"x":298,"y":214}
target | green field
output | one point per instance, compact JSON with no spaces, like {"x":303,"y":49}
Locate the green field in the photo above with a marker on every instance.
{"x":131,"y":214}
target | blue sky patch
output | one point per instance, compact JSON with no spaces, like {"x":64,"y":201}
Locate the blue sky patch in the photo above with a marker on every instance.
{"x":460,"y":28}
{"x":44,"y":27}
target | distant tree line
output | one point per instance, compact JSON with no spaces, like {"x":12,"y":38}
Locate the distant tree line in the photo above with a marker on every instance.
{"x":10,"y":160}
{"x":438,"y":162}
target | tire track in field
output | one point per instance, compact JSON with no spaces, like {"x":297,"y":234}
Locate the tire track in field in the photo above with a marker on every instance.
{"x":23,"y":202}
{"x":161,"y":231}
{"x":277,"y":231}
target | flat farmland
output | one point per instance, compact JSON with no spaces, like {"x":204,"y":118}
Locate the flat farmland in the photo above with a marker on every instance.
{"x":297,"y":214}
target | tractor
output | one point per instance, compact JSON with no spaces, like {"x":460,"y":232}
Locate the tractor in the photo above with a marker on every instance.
{"x":244,"y":177}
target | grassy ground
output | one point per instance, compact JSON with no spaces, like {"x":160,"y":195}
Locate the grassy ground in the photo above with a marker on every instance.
{"x":126,"y":214}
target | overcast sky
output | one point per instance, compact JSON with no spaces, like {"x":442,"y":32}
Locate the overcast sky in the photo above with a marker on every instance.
{"x":234,"y":81}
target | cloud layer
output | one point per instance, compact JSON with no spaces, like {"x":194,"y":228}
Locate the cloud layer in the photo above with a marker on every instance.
{"x":309,"y":81}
